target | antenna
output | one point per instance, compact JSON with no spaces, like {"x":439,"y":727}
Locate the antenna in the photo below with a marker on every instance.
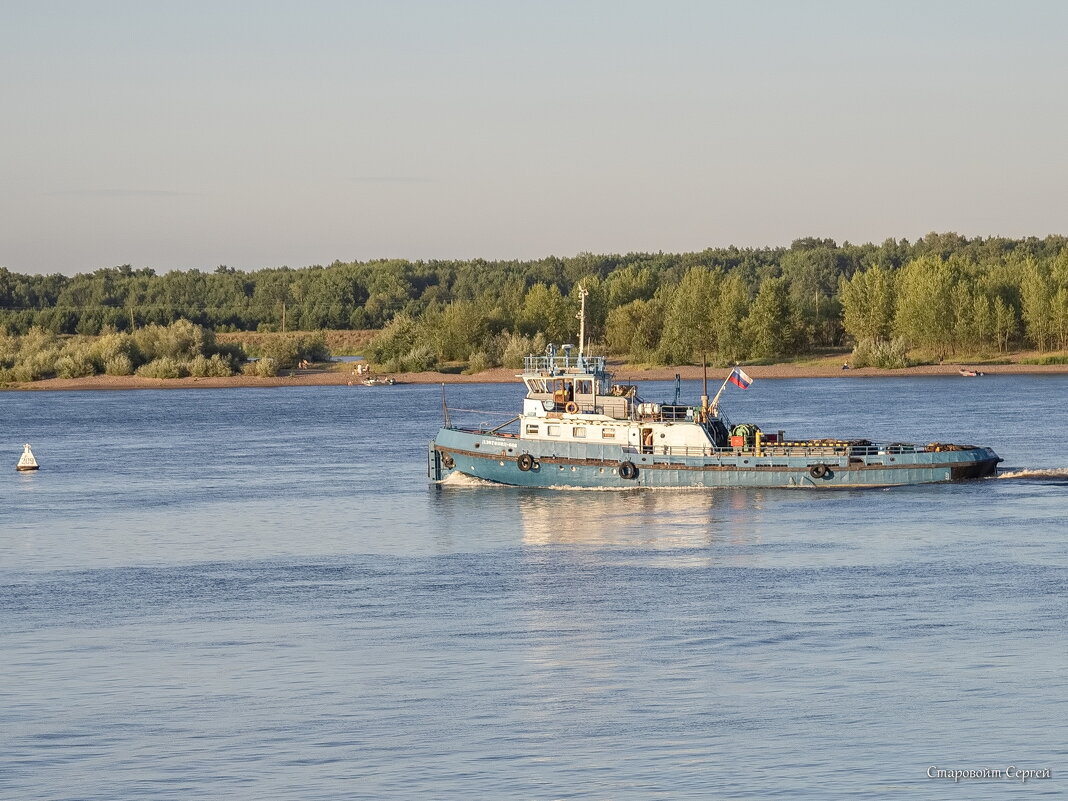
{"x":704,"y":390}
{"x":583,"y":292}
{"x":444,"y":406}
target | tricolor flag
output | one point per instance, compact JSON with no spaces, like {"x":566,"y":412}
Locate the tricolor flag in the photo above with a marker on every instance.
{"x":739,"y":378}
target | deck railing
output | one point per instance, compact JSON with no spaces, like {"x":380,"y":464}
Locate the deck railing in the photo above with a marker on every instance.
{"x":789,"y":451}
{"x":561,"y":364}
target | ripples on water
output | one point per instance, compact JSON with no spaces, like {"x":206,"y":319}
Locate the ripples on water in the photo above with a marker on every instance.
{"x":256,"y":594}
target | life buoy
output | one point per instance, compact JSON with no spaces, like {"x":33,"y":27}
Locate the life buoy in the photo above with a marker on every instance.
{"x":818,"y":470}
{"x":628,"y":470}
{"x":571,"y":407}
{"x":447,"y":461}
{"x":525,"y":462}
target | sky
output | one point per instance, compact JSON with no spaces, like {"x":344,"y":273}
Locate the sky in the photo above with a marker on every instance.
{"x":259,"y":134}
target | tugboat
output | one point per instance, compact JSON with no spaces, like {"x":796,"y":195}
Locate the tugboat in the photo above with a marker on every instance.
{"x":27,"y":461}
{"x":578,"y":429}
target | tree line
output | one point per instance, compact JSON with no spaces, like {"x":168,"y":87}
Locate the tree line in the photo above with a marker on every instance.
{"x":943,"y":293}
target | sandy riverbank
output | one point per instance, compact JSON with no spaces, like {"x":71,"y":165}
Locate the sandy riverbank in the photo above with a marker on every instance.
{"x":623,"y":374}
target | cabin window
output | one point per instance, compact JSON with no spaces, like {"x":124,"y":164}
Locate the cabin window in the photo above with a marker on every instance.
{"x":579,"y":432}
{"x":552,"y":431}
{"x":532,"y":429}
{"x":608,"y":433}
{"x":536,"y":385}
{"x":584,"y":386}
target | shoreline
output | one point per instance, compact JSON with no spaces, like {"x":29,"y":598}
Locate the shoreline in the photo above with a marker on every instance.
{"x":320,"y":377}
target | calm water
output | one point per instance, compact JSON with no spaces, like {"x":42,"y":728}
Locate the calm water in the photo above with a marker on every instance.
{"x":254,"y":594}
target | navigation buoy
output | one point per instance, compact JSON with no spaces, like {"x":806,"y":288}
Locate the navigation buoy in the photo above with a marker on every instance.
{"x":26,"y":461}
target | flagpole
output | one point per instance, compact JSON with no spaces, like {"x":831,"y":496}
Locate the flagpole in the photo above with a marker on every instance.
{"x":714,"y":405}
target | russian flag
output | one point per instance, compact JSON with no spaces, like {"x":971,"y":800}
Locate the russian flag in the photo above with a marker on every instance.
{"x":739,"y":378}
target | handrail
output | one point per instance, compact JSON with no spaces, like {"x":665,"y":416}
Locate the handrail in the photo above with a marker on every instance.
{"x":793,"y":451}
{"x":559,"y":364}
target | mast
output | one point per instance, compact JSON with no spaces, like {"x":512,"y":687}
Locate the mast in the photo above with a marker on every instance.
{"x":583,"y":292}
{"x":704,"y":385}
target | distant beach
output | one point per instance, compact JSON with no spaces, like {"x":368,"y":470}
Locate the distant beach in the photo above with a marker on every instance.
{"x":623,"y":373}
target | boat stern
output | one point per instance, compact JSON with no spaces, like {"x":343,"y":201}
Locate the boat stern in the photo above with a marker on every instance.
{"x":434,"y":467}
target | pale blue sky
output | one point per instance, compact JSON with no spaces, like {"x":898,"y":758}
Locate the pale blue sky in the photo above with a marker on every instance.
{"x":255,"y":134}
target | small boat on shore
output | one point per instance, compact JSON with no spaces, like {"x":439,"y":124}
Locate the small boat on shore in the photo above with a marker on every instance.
{"x":372,"y":381}
{"x":26,"y":462}
{"x":579,"y":429}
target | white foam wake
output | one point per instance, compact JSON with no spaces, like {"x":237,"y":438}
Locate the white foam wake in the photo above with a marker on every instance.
{"x":1060,"y":473}
{"x":458,"y":479}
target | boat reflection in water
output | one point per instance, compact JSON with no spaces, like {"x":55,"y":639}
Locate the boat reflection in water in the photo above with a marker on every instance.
{"x":656,"y":520}
{"x":645,"y":519}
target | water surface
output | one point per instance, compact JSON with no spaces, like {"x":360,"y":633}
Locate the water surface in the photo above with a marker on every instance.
{"x":256,"y":594}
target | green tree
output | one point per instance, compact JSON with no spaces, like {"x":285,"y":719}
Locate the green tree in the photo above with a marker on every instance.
{"x":868,"y":304}
{"x":1005,"y":324}
{"x":688,"y":323}
{"x":634,"y":329}
{"x":732,"y":339}
{"x":925,"y":314}
{"x":770,"y":324}
{"x":546,"y":311}
{"x":1037,"y":293}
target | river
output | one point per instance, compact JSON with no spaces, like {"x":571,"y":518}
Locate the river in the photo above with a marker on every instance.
{"x":256,"y":594}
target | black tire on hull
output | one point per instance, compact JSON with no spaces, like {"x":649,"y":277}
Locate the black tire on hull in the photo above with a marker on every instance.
{"x":628,"y":471}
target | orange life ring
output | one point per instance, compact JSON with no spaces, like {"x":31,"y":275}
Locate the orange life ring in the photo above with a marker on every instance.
{"x":571,"y":407}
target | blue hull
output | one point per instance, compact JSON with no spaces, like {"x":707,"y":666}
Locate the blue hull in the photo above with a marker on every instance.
{"x":510,"y":460}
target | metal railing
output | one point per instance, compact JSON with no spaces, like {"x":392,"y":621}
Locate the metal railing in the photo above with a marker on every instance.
{"x":791,"y":451}
{"x":563,"y":363}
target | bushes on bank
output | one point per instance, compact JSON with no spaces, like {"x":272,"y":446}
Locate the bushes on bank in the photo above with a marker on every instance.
{"x":163,"y":367}
{"x":261,"y":368}
{"x":288,"y":349}
{"x":155,"y":351}
{"x":887,"y":354}
{"x":119,"y":364}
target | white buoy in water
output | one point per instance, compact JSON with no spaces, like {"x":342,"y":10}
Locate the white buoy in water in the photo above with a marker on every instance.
{"x":26,"y":461}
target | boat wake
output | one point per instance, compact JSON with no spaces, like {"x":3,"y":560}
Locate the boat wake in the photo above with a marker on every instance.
{"x":464,"y":480}
{"x":1057,"y":474}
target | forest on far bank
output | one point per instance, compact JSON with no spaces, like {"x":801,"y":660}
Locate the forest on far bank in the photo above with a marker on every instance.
{"x":943,"y":294}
